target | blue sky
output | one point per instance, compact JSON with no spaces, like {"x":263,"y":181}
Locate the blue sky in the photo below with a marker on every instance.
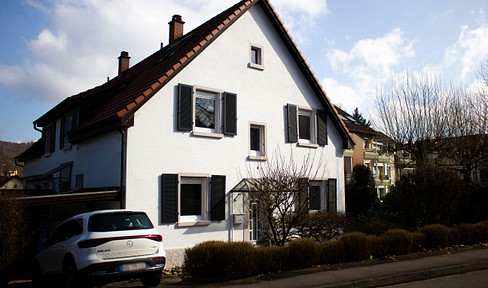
{"x":52,"y":49}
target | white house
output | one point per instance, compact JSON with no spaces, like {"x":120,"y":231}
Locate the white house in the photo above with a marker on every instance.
{"x":173,"y":134}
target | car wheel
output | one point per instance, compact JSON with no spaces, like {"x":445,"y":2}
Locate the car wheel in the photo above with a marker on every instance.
{"x":152,"y":280}
{"x":70,"y":275}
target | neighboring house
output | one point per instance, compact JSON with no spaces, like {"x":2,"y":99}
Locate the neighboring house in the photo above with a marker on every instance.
{"x":371,"y":150}
{"x":467,"y":155}
{"x":173,"y":134}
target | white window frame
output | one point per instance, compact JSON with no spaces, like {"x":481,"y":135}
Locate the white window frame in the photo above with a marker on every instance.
{"x":203,"y":218}
{"x":312,"y":142}
{"x":261,"y":153}
{"x":216,"y":95}
{"x":259,"y":63}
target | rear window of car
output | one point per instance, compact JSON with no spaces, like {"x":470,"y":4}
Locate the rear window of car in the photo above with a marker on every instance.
{"x":118,"y":222}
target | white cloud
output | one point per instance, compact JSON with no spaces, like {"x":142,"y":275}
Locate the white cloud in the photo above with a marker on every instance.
{"x":376,"y":57}
{"x":300,"y":16}
{"x":367,"y":64}
{"x":79,"y":47}
{"x":340,"y":94}
{"x":466,"y":54}
{"x":311,"y":8}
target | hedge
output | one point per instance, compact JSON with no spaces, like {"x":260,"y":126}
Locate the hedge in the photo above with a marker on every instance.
{"x":218,"y":260}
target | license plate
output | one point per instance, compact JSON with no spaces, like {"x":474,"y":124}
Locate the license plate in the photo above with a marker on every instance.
{"x":132,"y":267}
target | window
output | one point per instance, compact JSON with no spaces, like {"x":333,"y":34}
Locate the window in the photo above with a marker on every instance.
{"x":314,"y":196}
{"x":206,"y":112}
{"x":64,"y":180}
{"x":257,"y":148}
{"x":192,"y":200}
{"x":254,"y":232}
{"x":256,"y":57}
{"x":79,"y":181}
{"x":49,"y":138}
{"x":332,"y":195}
{"x":193,"y":194}
{"x":68,"y":122}
{"x":306,"y":126}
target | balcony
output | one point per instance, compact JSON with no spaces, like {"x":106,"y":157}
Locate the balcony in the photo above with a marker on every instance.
{"x":370,"y":154}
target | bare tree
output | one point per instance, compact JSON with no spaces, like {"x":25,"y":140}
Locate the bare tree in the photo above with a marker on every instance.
{"x":279,"y":193}
{"x":437,"y":123}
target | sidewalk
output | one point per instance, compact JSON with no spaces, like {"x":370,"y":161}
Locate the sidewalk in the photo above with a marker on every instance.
{"x":386,"y":273}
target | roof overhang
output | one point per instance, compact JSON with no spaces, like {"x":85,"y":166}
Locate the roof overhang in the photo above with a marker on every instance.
{"x":71,"y":197}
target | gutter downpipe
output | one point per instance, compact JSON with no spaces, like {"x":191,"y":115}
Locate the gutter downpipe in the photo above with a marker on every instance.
{"x":123,"y":164}
{"x":35,"y":127}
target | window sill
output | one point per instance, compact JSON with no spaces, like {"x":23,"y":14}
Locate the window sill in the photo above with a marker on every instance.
{"x":194,"y":223}
{"x":258,"y":158}
{"x":207,"y":134}
{"x":256,"y":66}
{"x":308,"y":145}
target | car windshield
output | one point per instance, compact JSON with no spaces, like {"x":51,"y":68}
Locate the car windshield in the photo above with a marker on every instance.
{"x":118,"y":222}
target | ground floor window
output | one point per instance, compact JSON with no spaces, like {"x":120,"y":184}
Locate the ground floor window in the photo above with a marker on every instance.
{"x":254,"y":233}
{"x":193,"y":195}
{"x":192,"y":199}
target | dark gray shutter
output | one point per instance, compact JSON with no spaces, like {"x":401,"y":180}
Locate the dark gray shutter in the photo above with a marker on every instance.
{"x":61,"y":132}
{"x":185,"y":107}
{"x":230,"y":113}
{"x":169,"y":198}
{"x":332,"y":195}
{"x":291,"y":119}
{"x":322,"y":127}
{"x":217,"y":188}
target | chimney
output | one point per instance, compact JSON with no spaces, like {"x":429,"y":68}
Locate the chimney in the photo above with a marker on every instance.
{"x":124,"y":60}
{"x":175,"y":28}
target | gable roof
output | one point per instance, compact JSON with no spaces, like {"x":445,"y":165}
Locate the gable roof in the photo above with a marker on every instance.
{"x":113,"y":104}
{"x":355,"y":126}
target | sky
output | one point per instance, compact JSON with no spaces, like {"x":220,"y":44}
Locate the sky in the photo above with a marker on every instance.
{"x":53,"y":49}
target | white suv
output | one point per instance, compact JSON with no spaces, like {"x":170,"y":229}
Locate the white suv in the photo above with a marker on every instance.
{"x":101,"y":247}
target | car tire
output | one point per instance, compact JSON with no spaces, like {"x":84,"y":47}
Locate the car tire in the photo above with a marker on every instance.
{"x":152,"y":280}
{"x":70,"y":275}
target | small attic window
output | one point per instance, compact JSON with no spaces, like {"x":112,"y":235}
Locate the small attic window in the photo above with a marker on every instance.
{"x":256,"y":57}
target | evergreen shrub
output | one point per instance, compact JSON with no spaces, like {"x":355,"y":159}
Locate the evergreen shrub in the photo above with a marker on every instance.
{"x":357,"y":246}
{"x":218,"y":260}
{"x":436,"y":236}
{"x":396,"y":242}
{"x":303,"y":253}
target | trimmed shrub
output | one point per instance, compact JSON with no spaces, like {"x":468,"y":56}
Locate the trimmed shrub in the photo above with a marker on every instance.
{"x":468,"y":234}
{"x":303,"y":253}
{"x":321,"y":226}
{"x":218,"y":260}
{"x":270,"y":259}
{"x":484,"y":231}
{"x":436,"y":236}
{"x":357,"y":246}
{"x":418,"y":241}
{"x":395,"y":242}
{"x":331,"y":252}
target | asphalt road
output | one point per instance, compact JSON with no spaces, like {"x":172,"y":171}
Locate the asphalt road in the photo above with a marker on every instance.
{"x":476,"y":279}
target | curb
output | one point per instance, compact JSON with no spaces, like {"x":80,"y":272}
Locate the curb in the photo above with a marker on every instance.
{"x":412,"y":276}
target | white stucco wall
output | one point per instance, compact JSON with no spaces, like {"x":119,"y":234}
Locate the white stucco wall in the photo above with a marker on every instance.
{"x":98,"y":159}
{"x":155,"y":146}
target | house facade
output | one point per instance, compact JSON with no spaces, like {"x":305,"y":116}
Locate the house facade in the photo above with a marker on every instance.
{"x":371,"y":150}
{"x":175,"y":133}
